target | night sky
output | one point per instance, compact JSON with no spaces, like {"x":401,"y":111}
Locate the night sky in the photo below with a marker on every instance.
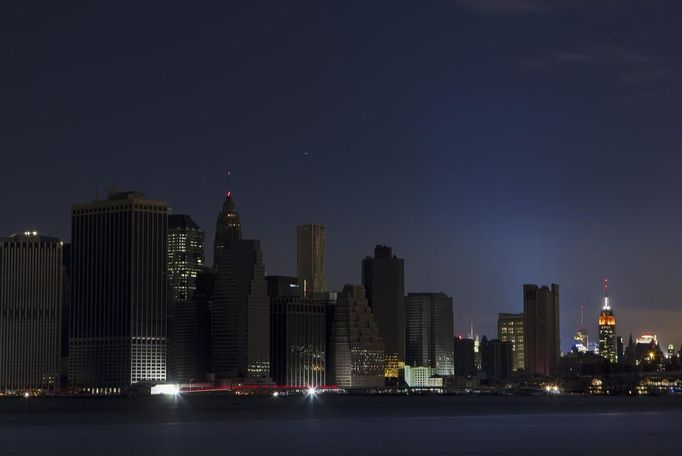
{"x":491,"y":143}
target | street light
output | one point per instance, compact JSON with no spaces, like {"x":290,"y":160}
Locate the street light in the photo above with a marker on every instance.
{"x":190,"y":384}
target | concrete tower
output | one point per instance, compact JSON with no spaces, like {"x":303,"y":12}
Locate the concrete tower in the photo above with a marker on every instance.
{"x":310,"y":257}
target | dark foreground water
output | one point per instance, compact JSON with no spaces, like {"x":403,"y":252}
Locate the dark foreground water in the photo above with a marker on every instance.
{"x":330,"y":425}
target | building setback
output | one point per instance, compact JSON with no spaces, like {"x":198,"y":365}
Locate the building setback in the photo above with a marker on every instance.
{"x":541,"y":329}
{"x":357,"y":349}
{"x":429,"y":324}
{"x":297,"y":335}
{"x":118,"y":292}
{"x":31,"y":276}
{"x":510,"y":329}
{"x":383,"y":277}
{"x":240,"y":313}
{"x":310,"y":257}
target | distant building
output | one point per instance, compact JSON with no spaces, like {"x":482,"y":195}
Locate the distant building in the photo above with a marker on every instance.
{"x":497,"y":359}
{"x":297,"y":340}
{"x":510,"y":329}
{"x":310,"y":258}
{"x":620,"y":350}
{"x":185,"y":256}
{"x":31,"y":292}
{"x":383,"y":277}
{"x":357,"y":349}
{"x":607,"y":329}
{"x":191,"y":346}
{"x":464,"y":359}
{"x":422,"y":377}
{"x":118,"y":293}
{"x":541,"y":329}
{"x":240,"y":314}
{"x":429,"y":331}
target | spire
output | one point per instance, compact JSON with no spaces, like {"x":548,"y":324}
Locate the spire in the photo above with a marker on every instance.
{"x":471,"y":331}
{"x":606,"y":295}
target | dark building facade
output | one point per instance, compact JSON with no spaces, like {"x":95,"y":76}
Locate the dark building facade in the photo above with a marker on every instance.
{"x":191,"y":346}
{"x":383,"y":277}
{"x":240,"y":313}
{"x":464,"y":357}
{"x":541,"y":329}
{"x":429,"y":332}
{"x":496,"y":359}
{"x":356,"y":347}
{"x":31,"y":293}
{"x":297,"y":340}
{"x":228,"y":227}
{"x":284,"y":286}
{"x":118,"y":293}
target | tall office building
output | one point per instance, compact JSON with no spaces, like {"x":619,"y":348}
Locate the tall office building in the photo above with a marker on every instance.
{"x":228,"y":227}
{"x":620,"y":350}
{"x":185,"y":256}
{"x":464,"y":358}
{"x":31,"y":277}
{"x":310,"y":257}
{"x":384,"y":279}
{"x":429,"y":331}
{"x":118,"y":292}
{"x":357,"y":349}
{"x":191,"y":344}
{"x":240,"y":314}
{"x":496,"y":359}
{"x":510,"y":329}
{"x":297,"y":334}
{"x":541,"y":329}
{"x":607,"y":329}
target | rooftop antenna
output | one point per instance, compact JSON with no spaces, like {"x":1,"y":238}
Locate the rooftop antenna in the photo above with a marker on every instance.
{"x":582,"y":317}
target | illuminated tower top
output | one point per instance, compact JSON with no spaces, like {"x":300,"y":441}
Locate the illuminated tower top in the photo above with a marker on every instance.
{"x":606,"y":295}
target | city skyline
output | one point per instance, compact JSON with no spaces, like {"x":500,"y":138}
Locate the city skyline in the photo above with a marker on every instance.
{"x":464,"y":146}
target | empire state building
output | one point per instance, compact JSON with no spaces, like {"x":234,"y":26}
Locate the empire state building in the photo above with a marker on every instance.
{"x":607,"y":329}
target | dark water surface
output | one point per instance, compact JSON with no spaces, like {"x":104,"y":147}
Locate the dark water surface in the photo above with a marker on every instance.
{"x":333,"y":425}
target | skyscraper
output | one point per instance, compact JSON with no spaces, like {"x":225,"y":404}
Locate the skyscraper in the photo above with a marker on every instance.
{"x":464,"y":360}
{"x":383,"y":278}
{"x":429,"y":331}
{"x":607,"y":329}
{"x":357,"y":349}
{"x":297,"y":334}
{"x":228,"y":227}
{"x":185,"y":256}
{"x":541,"y":329}
{"x":31,"y":277}
{"x":510,"y":329}
{"x":118,"y":293}
{"x":191,"y":344}
{"x":310,"y":257}
{"x":496,"y":359}
{"x":240,"y":314}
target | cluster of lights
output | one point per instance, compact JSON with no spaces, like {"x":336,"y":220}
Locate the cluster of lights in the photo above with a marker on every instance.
{"x":552,"y":389}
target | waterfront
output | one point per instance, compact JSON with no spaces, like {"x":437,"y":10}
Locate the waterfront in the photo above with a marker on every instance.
{"x":340,"y":425}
